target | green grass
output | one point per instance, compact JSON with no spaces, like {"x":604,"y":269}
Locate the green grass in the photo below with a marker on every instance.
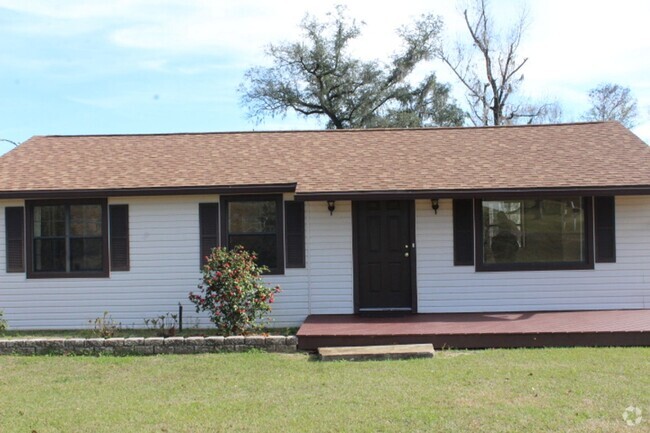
{"x":543,"y":390}
{"x":126,"y":332}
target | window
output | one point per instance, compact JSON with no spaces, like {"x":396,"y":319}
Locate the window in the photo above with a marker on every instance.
{"x":539,"y":233}
{"x":67,"y":239}
{"x":255,"y":222}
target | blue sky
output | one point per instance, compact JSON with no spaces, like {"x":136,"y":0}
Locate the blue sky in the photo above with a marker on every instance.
{"x":143,"y":66}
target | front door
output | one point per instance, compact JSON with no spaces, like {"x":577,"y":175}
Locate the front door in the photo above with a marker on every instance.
{"x":384,"y":248}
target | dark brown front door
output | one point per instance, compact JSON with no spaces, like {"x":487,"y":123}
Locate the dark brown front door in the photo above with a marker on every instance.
{"x":384,"y":249}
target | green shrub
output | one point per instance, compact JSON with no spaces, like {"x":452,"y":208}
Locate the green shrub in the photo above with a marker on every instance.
{"x":3,"y":322}
{"x":105,"y":326}
{"x":233,"y":292}
{"x":165,"y":325}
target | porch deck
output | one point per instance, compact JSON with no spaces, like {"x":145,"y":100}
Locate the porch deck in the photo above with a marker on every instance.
{"x":481,"y":330}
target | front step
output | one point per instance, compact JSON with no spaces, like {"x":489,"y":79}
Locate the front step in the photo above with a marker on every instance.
{"x":365,"y":353}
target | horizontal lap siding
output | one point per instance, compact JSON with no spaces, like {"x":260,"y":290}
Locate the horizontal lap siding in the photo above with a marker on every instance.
{"x":164,"y":268}
{"x":291,"y":304}
{"x":329,"y":258}
{"x":164,"y":237}
{"x":324,"y":286}
{"x":164,"y":241}
{"x":443,"y":287}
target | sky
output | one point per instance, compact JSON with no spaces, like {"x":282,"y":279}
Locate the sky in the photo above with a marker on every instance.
{"x":158,"y":66}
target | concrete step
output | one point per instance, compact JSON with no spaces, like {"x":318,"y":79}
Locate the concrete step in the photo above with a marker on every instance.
{"x":364,"y":353}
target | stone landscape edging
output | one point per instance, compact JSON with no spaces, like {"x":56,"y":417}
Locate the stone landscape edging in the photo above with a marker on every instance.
{"x":147,"y":346}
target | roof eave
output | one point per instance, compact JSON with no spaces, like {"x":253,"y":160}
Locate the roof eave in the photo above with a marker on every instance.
{"x":149,"y":191}
{"x":331,"y":195}
{"x":475,"y":193}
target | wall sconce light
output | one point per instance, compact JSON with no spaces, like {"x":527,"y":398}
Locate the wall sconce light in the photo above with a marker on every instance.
{"x":331,"y":205}
{"x":435,"y":205}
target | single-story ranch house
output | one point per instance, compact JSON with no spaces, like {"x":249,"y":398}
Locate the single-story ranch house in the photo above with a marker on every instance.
{"x":492,"y":219}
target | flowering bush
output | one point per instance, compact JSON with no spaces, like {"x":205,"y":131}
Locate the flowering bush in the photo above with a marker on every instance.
{"x":232,"y":291}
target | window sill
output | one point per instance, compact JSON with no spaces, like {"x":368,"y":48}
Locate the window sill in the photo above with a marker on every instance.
{"x":508,"y":267}
{"x":43,"y":275}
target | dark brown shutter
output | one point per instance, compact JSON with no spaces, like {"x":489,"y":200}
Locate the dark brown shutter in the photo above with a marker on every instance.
{"x":209,"y":228}
{"x":604,"y":229}
{"x":119,"y":237}
{"x":15,"y":238}
{"x":295,"y":233}
{"x":463,"y":232}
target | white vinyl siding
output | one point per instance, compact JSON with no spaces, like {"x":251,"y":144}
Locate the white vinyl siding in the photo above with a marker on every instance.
{"x":164,"y":260}
{"x":443,"y":287}
{"x":329,"y":258}
{"x":164,"y":239}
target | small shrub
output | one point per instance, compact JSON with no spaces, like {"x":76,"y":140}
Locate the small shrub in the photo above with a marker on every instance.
{"x":165,"y":324}
{"x":105,"y":326}
{"x":3,"y":323}
{"x":233,"y":292}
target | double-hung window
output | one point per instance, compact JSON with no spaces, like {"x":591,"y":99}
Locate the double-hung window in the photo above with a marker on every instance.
{"x":67,"y":239}
{"x":255,"y":223}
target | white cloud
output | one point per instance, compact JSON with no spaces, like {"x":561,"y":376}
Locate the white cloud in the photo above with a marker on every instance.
{"x":114,"y":101}
{"x":572,"y":45}
{"x":243,"y":26}
{"x":87,"y":9}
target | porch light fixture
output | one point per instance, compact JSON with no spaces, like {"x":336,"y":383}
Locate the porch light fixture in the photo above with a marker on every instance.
{"x":435,"y":205}
{"x":331,"y":206}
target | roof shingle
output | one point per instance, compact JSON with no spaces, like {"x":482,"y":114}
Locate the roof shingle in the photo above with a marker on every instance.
{"x":450,"y":159}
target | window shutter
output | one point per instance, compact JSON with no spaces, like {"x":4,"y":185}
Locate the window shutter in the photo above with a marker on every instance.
{"x":604,"y":229}
{"x":209,"y":228}
{"x":15,"y":238}
{"x":463,"y":232}
{"x":119,"y":237}
{"x":295,"y":233}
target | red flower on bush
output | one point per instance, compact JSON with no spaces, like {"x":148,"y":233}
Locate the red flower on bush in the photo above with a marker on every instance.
{"x":233,"y":292}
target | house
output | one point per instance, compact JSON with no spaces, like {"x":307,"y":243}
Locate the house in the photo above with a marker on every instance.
{"x":521,"y":218}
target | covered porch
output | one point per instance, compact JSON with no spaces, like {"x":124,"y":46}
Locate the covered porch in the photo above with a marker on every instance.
{"x":480,"y":330}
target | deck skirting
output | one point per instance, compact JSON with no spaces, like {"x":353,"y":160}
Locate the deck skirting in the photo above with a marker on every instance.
{"x":481,"y":330}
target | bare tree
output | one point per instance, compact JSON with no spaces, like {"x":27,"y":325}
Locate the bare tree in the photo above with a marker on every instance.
{"x":612,"y":102}
{"x":492,"y":80}
{"x":318,"y":77}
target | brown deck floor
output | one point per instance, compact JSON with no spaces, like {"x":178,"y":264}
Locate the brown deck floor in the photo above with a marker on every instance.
{"x":481,"y":330}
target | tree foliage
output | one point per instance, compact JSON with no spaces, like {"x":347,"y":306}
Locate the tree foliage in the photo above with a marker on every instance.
{"x":490,"y":70}
{"x":318,"y":76}
{"x":612,"y":102}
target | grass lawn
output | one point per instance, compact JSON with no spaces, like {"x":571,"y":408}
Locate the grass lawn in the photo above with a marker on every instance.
{"x":127,"y":332}
{"x":543,"y":390}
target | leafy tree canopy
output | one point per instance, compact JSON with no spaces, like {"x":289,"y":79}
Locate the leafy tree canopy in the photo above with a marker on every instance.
{"x":318,"y":76}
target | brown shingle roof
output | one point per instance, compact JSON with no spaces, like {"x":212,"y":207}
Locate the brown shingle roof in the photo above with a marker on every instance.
{"x":443,"y":159}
